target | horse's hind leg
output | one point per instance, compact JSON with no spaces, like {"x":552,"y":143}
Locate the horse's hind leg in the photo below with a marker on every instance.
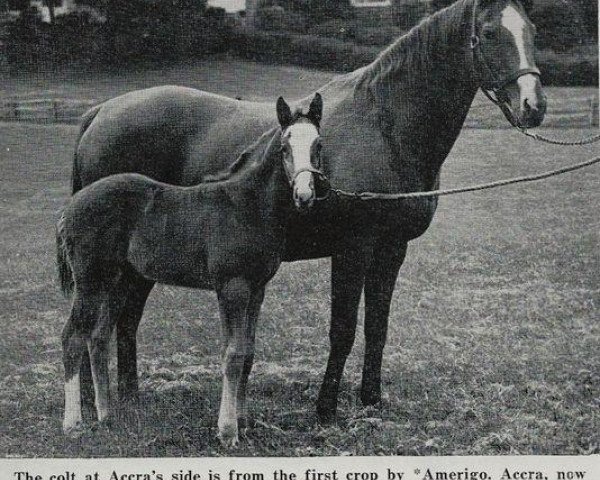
{"x":253,"y":313}
{"x":83,"y":315}
{"x":127,"y":324}
{"x":234,"y":298}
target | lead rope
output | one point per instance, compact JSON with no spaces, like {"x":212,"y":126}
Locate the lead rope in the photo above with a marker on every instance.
{"x":564,"y":143}
{"x":452,"y":191}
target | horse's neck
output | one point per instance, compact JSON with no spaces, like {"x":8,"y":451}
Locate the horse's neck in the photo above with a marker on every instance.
{"x":265,"y":180}
{"x":422,"y":86}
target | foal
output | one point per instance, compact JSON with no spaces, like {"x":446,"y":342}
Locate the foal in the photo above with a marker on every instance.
{"x":225,"y":234}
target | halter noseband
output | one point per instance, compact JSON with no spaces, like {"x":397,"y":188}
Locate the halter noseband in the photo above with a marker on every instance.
{"x":492,"y":86}
{"x":291,"y":176}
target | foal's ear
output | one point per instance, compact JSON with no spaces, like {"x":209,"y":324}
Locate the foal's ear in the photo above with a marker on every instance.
{"x":284,"y":113}
{"x":315,"y":111}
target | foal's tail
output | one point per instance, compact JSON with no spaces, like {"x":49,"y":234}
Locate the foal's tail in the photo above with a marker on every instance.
{"x":65,"y":273}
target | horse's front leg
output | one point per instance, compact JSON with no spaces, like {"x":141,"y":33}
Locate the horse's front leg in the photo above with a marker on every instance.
{"x":379,"y":287}
{"x":347,"y":279}
{"x":234,"y":299}
{"x":253,"y":313}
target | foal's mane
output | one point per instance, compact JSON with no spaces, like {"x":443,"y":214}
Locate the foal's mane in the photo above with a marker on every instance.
{"x":413,"y":51}
{"x":244,"y":161}
{"x":247,"y":159}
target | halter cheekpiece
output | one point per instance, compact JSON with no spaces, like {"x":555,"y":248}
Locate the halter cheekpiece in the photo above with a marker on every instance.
{"x":493,"y":87}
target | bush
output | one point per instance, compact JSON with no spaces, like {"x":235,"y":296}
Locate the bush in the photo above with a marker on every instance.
{"x":303,"y":50}
{"x":577,"y":68}
{"x":560,"y":26}
{"x":356,"y":31}
{"x":276,"y":18}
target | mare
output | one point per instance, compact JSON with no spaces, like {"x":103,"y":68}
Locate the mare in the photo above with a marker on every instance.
{"x":226,"y":235}
{"x":388,"y":127}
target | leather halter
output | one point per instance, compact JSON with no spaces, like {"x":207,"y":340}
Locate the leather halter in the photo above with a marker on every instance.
{"x":291,"y":176}
{"x":494,"y":87}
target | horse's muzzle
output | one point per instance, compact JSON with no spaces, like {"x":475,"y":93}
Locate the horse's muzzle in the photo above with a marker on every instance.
{"x":532,"y":101}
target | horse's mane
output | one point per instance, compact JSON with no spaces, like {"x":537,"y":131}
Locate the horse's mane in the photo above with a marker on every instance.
{"x":243,"y":161}
{"x":412,"y":51}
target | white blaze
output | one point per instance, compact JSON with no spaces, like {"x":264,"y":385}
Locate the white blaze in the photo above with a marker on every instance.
{"x":301,"y":138}
{"x":513,"y":21}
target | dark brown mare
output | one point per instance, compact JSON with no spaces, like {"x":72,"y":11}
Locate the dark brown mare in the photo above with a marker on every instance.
{"x":388,"y":127}
{"x":226,"y":235}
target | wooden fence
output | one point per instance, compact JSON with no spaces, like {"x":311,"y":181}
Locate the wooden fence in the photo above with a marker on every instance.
{"x":582,"y":112}
{"x":44,"y":110}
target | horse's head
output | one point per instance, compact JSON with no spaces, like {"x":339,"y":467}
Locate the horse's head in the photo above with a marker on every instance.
{"x":503,"y":49}
{"x":301,"y":149}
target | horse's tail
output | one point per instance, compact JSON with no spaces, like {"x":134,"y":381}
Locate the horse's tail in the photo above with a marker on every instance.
{"x":65,"y":273}
{"x":86,"y":120}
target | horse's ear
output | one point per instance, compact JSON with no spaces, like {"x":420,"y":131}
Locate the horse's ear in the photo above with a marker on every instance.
{"x":315,"y":111}
{"x":284,"y":113}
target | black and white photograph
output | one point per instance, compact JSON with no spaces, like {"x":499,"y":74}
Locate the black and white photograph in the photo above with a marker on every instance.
{"x":299,"y":228}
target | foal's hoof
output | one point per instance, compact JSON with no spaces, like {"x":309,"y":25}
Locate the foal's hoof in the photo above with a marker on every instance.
{"x":74,"y":430}
{"x":228,"y":436}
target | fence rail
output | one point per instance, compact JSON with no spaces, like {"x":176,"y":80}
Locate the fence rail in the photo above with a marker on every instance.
{"x":44,"y":110}
{"x":579,"y":113}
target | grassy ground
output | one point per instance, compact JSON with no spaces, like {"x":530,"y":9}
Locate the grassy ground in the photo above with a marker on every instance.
{"x":493,"y":344}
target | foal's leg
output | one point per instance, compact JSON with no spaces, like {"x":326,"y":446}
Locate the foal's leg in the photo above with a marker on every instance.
{"x":82,"y":317}
{"x":97,"y":346}
{"x":253,"y":313}
{"x":87,"y":386}
{"x":234,"y":298}
{"x":379,"y":287}
{"x":347,"y":280}
{"x":127,"y":324}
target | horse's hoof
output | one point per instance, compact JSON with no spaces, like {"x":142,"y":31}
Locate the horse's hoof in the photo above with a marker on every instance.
{"x":228,"y":436}
{"x":369,"y":398}
{"x":326,"y":415}
{"x":129,"y":397}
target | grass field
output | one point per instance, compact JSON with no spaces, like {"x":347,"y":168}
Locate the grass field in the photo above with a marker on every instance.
{"x":493,"y":342}
{"x":493,"y":346}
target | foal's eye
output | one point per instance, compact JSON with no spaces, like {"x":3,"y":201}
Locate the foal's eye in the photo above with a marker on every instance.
{"x":489,"y":33}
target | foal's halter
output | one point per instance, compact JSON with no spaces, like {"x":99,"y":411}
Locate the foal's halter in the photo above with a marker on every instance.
{"x":293,"y":175}
{"x":493,"y":86}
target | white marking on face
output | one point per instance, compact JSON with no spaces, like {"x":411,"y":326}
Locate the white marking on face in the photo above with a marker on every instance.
{"x":513,"y":21}
{"x":301,"y":137}
{"x":72,"y":404}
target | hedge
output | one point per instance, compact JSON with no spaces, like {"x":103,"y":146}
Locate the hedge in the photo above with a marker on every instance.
{"x":580,"y":69}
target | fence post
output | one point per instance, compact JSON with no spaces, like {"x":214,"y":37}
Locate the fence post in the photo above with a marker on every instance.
{"x":594,"y":112}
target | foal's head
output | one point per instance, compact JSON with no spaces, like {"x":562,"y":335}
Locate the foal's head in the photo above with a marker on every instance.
{"x":301,"y":149}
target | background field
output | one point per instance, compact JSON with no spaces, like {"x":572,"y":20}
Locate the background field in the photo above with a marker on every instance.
{"x":494,"y":337}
